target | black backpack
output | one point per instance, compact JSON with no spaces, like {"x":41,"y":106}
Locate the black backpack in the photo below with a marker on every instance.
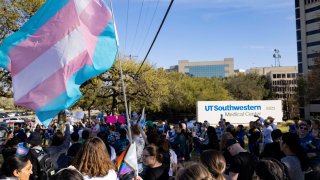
{"x":45,"y":170}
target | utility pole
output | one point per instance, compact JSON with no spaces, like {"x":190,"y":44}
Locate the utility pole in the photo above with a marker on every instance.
{"x":131,"y":56}
{"x":277,"y":57}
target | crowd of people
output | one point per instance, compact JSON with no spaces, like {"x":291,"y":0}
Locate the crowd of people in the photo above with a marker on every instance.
{"x":89,"y":149}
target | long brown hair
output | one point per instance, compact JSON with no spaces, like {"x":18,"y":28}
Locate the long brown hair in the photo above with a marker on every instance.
{"x":215,"y":163}
{"x":154,"y":151}
{"x":93,"y":159}
{"x":225,"y":137}
{"x":193,"y":171}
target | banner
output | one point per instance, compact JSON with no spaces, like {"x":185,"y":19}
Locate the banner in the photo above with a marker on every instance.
{"x":238,"y":112}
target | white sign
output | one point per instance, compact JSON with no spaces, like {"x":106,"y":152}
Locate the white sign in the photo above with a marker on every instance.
{"x":238,"y":112}
{"x":79,"y":114}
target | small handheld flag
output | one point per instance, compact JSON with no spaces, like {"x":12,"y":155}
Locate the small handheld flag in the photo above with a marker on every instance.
{"x":142,"y":120}
{"x":128,"y":160}
{"x":123,"y":168}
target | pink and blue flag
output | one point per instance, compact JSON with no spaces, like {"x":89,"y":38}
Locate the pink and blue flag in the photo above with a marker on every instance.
{"x":63,"y":45}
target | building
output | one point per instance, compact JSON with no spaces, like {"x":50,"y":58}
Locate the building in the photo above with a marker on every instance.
{"x":173,"y":68}
{"x":308,"y":45}
{"x":284,"y":84}
{"x":221,"y":69}
{"x":239,"y":71}
{"x":283,"y":79}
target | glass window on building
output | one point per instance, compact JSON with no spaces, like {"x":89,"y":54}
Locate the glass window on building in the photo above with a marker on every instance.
{"x":299,"y":57}
{"x":288,"y":75}
{"x":298,"y":25}
{"x":299,"y":46}
{"x":297,"y":3}
{"x":283,"y":75}
{"x":300,"y":70}
{"x":274,"y":76}
{"x":297,"y":13}
{"x":278,"y":75}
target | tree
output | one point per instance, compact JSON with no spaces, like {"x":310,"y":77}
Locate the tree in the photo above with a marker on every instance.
{"x":14,"y":13}
{"x":308,"y":90}
{"x":90,"y":90}
{"x":149,"y":88}
{"x":313,"y":79}
{"x":185,"y":91}
{"x":6,"y":103}
{"x":247,"y":86}
{"x":5,"y":84}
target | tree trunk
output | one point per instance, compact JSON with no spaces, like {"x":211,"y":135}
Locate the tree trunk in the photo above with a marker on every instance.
{"x":89,"y":114}
{"x":114,"y":105}
{"x":62,"y":116}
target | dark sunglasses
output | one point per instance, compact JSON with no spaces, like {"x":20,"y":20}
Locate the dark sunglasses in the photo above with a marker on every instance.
{"x":303,"y":128}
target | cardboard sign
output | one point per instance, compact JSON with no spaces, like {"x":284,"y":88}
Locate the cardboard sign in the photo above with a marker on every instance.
{"x":121,"y":120}
{"x":111,"y":119}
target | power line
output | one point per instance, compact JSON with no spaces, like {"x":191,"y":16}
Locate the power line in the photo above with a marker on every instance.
{"x":135,"y":34}
{"x":125,"y":42}
{"x":155,"y":38}
{"x":145,"y":37}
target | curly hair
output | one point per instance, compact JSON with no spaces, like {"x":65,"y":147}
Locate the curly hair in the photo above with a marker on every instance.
{"x":93,"y":158}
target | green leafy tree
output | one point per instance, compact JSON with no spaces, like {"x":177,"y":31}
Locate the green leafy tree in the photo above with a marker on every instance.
{"x":185,"y":91}
{"x":90,"y":90}
{"x":147,"y":89}
{"x":247,"y":86}
{"x":6,"y":103}
{"x":313,"y":79}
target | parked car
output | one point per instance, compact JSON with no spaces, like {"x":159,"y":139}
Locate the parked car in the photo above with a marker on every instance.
{"x":13,"y":119}
{"x":3,"y":115}
{"x":11,"y":114}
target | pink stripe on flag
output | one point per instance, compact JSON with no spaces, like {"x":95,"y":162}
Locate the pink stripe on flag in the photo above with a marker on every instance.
{"x":94,"y":19}
{"x":54,"y":85}
{"x":28,"y":50}
{"x":93,"y":22}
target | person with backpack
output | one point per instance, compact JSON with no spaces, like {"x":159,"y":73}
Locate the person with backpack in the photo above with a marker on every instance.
{"x":59,"y":147}
{"x":179,"y":144}
{"x":42,"y":165}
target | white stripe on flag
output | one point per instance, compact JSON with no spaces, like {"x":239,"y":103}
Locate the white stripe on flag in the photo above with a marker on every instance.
{"x":81,"y":5}
{"x":48,"y":63}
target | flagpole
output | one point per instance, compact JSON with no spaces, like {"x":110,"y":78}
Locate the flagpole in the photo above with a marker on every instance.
{"x":125,"y":101}
{"x":122,"y":81}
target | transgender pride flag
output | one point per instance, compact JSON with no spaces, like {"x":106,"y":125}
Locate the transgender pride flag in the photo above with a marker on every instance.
{"x":64,"y":44}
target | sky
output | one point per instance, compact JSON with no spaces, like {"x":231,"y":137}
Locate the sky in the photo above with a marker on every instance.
{"x":208,"y":30}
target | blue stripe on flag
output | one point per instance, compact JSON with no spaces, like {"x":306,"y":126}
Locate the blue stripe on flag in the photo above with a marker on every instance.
{"x":42,"y":16}
{"x":106,"y":49}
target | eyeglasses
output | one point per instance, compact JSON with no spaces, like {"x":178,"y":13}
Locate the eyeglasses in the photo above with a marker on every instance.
{"x":146,"y":155}
{"x":303,"y":128}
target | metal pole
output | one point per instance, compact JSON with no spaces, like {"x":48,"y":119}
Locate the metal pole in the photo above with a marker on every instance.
{"x":125,"y":101}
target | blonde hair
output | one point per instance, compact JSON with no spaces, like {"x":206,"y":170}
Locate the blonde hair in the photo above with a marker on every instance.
{"x":215,"y":163}
{"x":93,"y":159}
{"x":193,"y":171}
